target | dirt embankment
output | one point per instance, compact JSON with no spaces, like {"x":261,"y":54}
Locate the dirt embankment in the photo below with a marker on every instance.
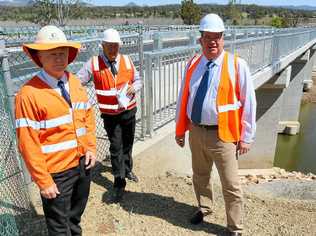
{"x":310,"y":96}
{"x":162,"y":204}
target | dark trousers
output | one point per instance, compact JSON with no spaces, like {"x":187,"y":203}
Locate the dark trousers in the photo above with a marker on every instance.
{"x":63,"y":213}
{"x":121,"y":131}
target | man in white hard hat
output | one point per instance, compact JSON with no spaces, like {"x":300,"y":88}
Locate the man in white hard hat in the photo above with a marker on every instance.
{"x":56,"y":131}
{"x":217,"y":105}
{"x":116,"y":82}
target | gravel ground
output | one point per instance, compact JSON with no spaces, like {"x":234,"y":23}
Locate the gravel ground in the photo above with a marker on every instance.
{"x":310,"y":96}
{"x":161,"y":204}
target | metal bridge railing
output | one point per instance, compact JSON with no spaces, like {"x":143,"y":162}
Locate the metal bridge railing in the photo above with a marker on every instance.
{"x":160,"y":59}
{"x":164,"y":68}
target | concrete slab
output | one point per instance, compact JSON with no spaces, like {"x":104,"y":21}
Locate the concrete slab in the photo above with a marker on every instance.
{"x":161,"y":154}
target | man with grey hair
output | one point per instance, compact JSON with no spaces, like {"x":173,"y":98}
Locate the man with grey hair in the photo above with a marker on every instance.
{"x":116,"y":82}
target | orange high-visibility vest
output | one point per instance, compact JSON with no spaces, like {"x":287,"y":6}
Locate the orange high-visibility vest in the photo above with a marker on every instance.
{"x":107,"y":86}
{"x":227,"y":101}
{"x":52,"y":136}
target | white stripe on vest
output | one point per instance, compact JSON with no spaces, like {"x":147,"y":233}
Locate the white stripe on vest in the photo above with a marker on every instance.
{"x":106,"y":93}
{"x":114,"y":107}
{"x":59,"y":146}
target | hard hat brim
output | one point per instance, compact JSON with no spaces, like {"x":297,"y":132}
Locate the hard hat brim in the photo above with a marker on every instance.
{"x":212,"y":30}
{"x":32,"y":48}
{"x":108,"y":41}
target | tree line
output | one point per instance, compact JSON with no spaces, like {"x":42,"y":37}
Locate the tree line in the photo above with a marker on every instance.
{"x":47,"y":11}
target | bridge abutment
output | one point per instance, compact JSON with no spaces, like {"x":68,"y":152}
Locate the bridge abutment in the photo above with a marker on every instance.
{"x":269,"y":104}
{"x":278,"y":108}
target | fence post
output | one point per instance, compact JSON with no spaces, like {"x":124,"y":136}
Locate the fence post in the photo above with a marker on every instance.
{"x":141,"y":75}
{"x":7,"y":80}
{"x":149,"y":95}
{"x":157,"y":41}
{"x":192,"y":37}
{"x":246,"y":34}
{"x":10,"y":93}
{"x":233,"y":40}
{"x":275,"y":48}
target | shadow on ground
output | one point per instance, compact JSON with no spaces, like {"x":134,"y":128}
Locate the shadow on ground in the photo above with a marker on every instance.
{"x":152,"y":204}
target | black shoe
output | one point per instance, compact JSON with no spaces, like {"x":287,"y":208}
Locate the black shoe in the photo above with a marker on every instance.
{"x":131,"y":176}
{"x":235,"y":234}
{"x":118,"y":194}
{"x":197,"y":218}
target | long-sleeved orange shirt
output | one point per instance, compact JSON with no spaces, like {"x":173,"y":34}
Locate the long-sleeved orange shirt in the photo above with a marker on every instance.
{"x":52,"y":136}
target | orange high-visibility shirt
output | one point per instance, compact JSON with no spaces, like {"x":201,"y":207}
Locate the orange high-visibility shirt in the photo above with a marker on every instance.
{"x":51,"y":135}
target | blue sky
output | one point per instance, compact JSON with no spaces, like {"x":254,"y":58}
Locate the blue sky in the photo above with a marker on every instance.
{"x":160,"y":2}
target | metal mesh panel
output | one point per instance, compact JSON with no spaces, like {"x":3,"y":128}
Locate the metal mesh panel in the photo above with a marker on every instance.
{"x":164,"y":69}
{"x":15,"y":210}
{"x":23,"y":69}
{"x":165,"y":80}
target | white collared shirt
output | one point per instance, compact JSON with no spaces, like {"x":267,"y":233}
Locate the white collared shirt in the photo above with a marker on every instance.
{"x":209,"y":109}
{"x":52,"y":82}
{"x":85,"y":73}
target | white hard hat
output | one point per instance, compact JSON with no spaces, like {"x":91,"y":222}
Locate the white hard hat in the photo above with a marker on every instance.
{"x":111,"y":36}
{"x":212,"y":23}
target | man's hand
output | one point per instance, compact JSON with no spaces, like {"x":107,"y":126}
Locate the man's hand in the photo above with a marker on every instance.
{"x":50,"y":192}
{"x":90,"y":160}
{"x":180,"y":140}
{"x":243,"y":147}
{"x":130,"y":90}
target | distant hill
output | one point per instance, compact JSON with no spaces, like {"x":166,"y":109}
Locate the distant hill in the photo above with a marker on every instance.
{"x":131,"y":4}
{"x":23,"y":3}
{"x":302,"y":7}
{"x":16,"y":3}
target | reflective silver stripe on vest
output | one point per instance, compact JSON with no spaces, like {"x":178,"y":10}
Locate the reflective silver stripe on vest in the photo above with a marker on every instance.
{"x":81,"y":105}
{"x":45,"y":124}
{"x":194,"y":60}
{"x":114,"y":107}
{"x":25,"y":122}
{"x":59,"y":146}
{"x":62,"y":120}
{"x":95,"y":62}
{"x":229,"y":107}
{"x":112,"y":92}
{"x":81,"y":131}
{"x":108,"y":107}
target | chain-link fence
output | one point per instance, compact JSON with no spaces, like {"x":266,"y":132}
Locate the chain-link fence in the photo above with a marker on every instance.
{"x":161,"y":69}
{"x":16,"y":212}
{"x":15,"y":208}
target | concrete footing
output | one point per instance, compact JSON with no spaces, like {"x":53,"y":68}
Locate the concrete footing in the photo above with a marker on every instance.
{"x":307,"y":85}
{"x":289,"y":127}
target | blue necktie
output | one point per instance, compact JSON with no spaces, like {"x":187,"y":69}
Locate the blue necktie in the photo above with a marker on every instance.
{"x":196,"y":114}
{"x":113,"y":68}
{"x":64,"y":92}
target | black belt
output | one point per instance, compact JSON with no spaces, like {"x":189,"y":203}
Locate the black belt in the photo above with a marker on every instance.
{"x":208,"y":127}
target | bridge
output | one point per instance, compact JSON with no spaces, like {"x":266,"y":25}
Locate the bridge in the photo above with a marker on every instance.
{"x":281,"y":61}
{"x":280,"y":65}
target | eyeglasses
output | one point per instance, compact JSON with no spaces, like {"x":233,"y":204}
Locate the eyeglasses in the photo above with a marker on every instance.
{"x":214,"y":38}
